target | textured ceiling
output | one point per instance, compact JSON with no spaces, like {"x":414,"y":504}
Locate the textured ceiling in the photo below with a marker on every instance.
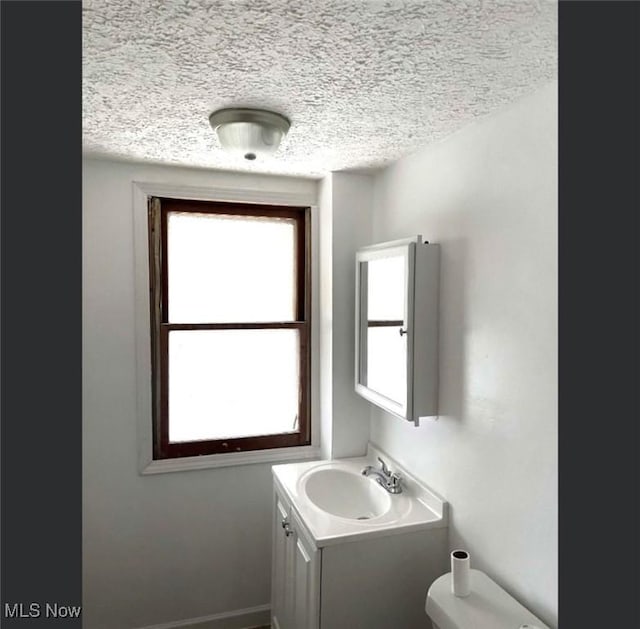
{"x":363,"y":82}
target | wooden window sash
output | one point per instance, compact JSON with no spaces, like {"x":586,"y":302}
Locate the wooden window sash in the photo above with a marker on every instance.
{"x":160,"y":328}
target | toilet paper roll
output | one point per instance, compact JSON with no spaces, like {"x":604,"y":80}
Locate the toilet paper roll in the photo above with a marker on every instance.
{"x":460,"y":578}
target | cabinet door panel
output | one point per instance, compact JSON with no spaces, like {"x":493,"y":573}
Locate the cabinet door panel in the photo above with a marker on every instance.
{"x":280,"y":559}
{"x":306,"y":581}
{"x":302,"y":593}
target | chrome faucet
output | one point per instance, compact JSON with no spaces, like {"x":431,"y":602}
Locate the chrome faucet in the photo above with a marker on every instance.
{"x":385,"y":477}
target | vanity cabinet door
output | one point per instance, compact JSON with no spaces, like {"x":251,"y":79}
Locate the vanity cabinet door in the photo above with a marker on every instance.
{"x":282,"y":569}
{"x":295,"y":579}
{"x":306,"y":579}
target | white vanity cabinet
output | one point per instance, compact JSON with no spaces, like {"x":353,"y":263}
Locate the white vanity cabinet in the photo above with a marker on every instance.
{"x":361,"y":582}
{"x":295,"y":577}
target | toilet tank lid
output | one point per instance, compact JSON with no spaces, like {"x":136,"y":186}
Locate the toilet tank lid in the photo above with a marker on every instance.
{"x":488,"y":606}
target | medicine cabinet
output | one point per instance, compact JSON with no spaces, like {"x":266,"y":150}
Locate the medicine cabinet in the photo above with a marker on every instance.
{"x":396,"y":362}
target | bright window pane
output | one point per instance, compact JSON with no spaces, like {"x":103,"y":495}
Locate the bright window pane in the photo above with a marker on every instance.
{"x":224,"y":268}
{"x":387,"y":362}
{"x":385,"y":289}
{"x":232,"y":383}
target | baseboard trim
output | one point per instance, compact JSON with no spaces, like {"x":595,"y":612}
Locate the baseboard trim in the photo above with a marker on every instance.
{"x":237,"y":619}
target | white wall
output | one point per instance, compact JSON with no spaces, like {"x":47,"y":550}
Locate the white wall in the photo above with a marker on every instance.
{"x":172,"y":546}
{"x":345,"y":225}
{"x":488,"y":195}
{"x":325,"y":200}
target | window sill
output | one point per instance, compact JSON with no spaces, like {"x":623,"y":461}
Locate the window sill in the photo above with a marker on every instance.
{"x":276,"y":455}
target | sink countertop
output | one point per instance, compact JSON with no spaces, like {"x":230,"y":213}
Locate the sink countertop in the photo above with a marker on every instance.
{"x":416,"y":508}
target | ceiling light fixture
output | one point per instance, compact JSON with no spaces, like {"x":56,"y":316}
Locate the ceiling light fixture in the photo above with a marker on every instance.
{"x":249,"y":133}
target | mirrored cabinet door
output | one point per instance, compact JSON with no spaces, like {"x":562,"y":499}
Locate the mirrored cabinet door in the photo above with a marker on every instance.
{"x":383,"y":324}
{"x":385,"y":344}
{"x":386,"y":358}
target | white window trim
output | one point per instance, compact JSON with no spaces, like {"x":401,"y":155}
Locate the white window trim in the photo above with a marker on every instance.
{"x":146,"y":464}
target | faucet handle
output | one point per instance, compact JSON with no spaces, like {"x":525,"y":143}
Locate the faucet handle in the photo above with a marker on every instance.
{"x":385,"y":470}
{"x":395,"y":482}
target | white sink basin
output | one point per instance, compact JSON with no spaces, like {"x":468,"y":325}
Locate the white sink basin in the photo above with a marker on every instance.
{"x":337,"y":503}
{"x":345,"y":494}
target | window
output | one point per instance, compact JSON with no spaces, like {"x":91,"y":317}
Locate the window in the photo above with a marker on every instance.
{"x":230,"y":326}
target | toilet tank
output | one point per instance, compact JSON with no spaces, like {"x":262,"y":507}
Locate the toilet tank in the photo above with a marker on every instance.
{"x":488,"y":606}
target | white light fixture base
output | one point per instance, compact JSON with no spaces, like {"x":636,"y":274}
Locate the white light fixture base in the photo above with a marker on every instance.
{"x":249,"y":133}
